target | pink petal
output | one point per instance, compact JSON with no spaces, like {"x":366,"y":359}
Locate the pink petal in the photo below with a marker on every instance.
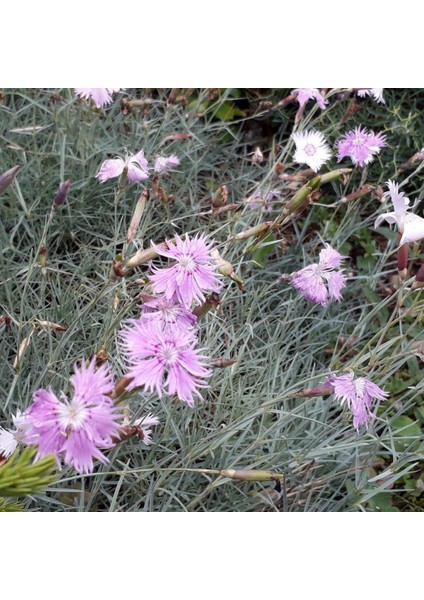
{"x":110,"y":168}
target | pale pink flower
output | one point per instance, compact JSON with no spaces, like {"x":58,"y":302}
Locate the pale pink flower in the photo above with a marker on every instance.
{"x":410,"y":226}
{"x":75,"y":430}
{"x":360,"y":145}
{"x":165,"y":360}
{"x":146,"y":423}
{"x":305,"y":94}
{"x":10,"y":438}
{"x":320,"y":282}
{"x":8,"y":441}
{"x":311,"y":148}
{"x":167,"y":313}
{"x":114,"y":167}
{"x":192,"y":274}
{"x":376,"y":93}
{"x":329,"y":257}
{"x":358,"y":393}
{"x":163,"y":164}
{"x":100,"y":96}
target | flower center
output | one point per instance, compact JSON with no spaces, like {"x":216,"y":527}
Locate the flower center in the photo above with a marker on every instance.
{"x":359,"y":387}
{"x":169,"y":314}
{"x":359,"y":140}
{"x":20,"y":435}
{"x":310,"y":150}
{"x":72,"y":415}
{"x":168,"y":352}
{"x":320,"y":270}
{"x":187,"y":262}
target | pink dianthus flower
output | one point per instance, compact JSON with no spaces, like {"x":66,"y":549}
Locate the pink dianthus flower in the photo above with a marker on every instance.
{"x":167,"y":313}
{"x":319,"y":282}
{"x":358,"y":393}
{"x":163,"y":164}
{"x":75,"y":430}
{"x":303,"y":95}
{"x":113,"y":167}
{"x":165,"y":360}
{"x":360,"y":145}
{"x":191,"y":275}
{"x":100,"y":96}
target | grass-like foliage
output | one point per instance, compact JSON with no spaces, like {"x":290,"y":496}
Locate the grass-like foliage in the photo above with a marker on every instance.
{"x":66,"y":290}
{"x":21,"y":476}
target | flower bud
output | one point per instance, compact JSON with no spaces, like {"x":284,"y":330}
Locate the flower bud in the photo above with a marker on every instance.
{"x":226,"y":268}
{"x":61,"y":194}
{"x":21,"y":350}
{"x":7,"y":178}
{"x":141,"y":257}
{"x":221,"y":363}
{"x":402,"y":259}
{"x":212,"y":302}
{"x":420,"y":275}
{"x":123,"y":179}
{"x":51,"y":325}
{"x":121,"y":387}
{"x":260,"y":229}
{"x":419,"y":278}
{"x":42,"y":257}
{"x":163,"y":195}
{"x":220,"y":197}
{"x":225,"y":209}
{"x":118,"y":267}
{"x":126,"y":432}
{"x":415,"y":158}
{"x":363,"y":191}
{"x":257,"y":156}
{"x":138,"y":213}
{"x":155,"y":185}
{"x":303,"y":197}
{"x":251,"y":475}
{"x":323,"y":390}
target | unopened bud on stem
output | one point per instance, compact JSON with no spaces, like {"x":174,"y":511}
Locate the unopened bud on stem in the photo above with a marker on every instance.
{"x":402,"y":259}
{"x":212,"y":302}
{"x":251,"y":475}
{"x":303,"y":197}
{"x":220,"y":197}
{"x":221,"y":363}
{"x":323,"y":390}
{"x":121,"y":387}
{"x":419,"y":278}
{"x":123,"y":180}
{"x":61,"y":194}
{"x":142,"y":256}
{"x":363,"y":191}
{"x":136,"y":218}
{"x":226,"y":268}
{"x":7,"y":178}
{"x":260,"y":229}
